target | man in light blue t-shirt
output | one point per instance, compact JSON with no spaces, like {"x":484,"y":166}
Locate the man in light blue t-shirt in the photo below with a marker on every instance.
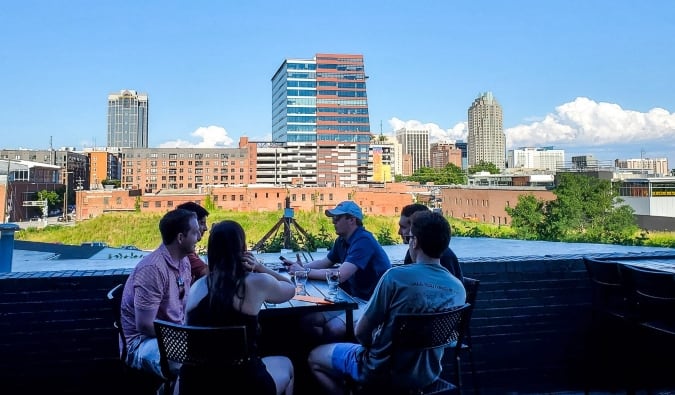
{"x":422,"y":286}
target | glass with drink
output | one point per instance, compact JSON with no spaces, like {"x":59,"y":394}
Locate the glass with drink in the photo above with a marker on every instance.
{"x":333,"y":280}
{"x":300,"y":277}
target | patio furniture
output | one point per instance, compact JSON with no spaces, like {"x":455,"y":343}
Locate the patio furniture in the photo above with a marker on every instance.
{"x":135,"y":381}
{"x":200,"y":346}
{"x":465,"y":345}
{"x":423,"y":331}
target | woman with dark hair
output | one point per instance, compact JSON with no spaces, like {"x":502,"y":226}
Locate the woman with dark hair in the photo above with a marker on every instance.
{"x":232,"y":293}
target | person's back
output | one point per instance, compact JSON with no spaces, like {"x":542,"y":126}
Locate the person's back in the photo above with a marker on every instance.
{"x":249,"y":377}
{"x":402,"y":291}
{"x":232,"y":293}
{"x":420,"y":287}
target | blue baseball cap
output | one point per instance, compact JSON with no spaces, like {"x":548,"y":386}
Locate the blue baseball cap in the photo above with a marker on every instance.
{"x":346,"y":207}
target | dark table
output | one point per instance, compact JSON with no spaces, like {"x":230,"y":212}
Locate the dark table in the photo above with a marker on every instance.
{"x":317,"y":290}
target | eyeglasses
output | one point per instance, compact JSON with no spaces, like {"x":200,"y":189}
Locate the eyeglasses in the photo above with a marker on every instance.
{"x":181,"y":287}
{"x":338,"y":217}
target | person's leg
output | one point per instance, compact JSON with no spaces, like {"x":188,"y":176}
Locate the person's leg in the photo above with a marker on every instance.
{"x":332,"y":363}
{"x":281,"y":370}
{"x":146,"y":357}
{"x":317,"y":329}
{"x":335,"y":328}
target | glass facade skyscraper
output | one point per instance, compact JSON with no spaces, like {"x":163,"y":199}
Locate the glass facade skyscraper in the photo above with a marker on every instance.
{"x":322,"y":102}
{"x":128,"y":119}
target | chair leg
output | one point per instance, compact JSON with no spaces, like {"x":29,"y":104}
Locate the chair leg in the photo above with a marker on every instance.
{"x":473,"y":372}
{"x":458,"y":371}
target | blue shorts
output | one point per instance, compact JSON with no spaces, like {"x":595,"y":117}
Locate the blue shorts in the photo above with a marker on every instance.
{"x":345,"y":360}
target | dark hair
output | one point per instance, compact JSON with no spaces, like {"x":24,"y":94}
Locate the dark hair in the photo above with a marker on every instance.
{"x":227,"y":243}
{"x":192,"y":206}
{"x":412,"y":209}
{"x":175,"y":222}
{"x":432,"y":232}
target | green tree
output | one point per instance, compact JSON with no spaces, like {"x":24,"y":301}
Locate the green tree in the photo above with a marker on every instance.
{"x":54,"y":200}
{"x":585,"y":209}
{"x":448,"y":175}
{"x":116,"y":183}
{"x":484,"y":166}
{"x":527,"y":217}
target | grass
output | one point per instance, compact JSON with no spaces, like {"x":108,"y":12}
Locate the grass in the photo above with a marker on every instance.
{"x":141,"y":229}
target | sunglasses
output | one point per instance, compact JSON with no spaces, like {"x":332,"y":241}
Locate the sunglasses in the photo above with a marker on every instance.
{"x":181,"y":287}
{"x":338,"y":217}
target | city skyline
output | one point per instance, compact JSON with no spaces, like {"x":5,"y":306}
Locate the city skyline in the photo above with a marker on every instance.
{"x":587,"y":78}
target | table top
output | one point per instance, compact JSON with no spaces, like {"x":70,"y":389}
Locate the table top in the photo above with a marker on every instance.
{"x":314,"y":301}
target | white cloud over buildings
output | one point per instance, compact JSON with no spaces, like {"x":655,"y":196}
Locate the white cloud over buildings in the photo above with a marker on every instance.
{"x":580,"y":127}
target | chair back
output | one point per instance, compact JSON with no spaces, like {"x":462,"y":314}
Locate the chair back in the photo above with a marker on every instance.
{"x":115,"y":298}
{"x":610,"y":293}
{"x":424,"y":331}
{"x":654,"y":292}
{"x":200,"y":345}
{"x":471,"y":287}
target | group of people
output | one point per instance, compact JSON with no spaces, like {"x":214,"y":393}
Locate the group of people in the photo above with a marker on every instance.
{"x":173,"y":283}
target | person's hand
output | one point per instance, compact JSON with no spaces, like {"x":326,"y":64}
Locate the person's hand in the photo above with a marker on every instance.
{"x":249,"y":261}
{"x":295,"y":266}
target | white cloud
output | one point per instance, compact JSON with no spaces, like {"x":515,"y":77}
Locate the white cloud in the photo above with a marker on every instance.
{"x":582,"y":126}
{"x":211,"y":137}
{"x":436,"y":133}
{"x":585,"y":122}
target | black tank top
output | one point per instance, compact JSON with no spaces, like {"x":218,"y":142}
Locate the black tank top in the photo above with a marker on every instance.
{"x":248,"y":378}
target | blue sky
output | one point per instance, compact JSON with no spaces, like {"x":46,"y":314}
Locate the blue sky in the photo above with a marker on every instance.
{"x":589,"y":77}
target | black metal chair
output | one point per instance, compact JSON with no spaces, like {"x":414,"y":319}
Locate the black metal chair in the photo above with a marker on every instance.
{"x":200,"y":346}
{"x":465,"y":346}
{"x":422,"y":332}
{"x":136,"y":381}
{"x":654,"y":293}
{"x":611,"y":297}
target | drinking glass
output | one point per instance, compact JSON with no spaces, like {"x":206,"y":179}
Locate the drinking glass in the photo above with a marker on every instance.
{"x":300,"y":277}
{"x":333,"y":280}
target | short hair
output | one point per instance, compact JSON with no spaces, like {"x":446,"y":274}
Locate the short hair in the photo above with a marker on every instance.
{"x":175,"y":222}
{"x":192,"y":206}
{"x":413,"y":208}
{"x":432,"y":232}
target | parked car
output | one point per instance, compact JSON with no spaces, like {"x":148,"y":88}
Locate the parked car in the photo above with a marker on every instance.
{"x":129,"y":247}
{"x":94,"y":244}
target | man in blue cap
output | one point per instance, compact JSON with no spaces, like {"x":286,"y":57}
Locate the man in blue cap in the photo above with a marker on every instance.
{"x":362,"y":262}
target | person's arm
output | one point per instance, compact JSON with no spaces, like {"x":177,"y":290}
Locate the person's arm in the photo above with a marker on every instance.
{"x":145,"y":320}
{"x":316,"y":267}
{"x":375,"y":312}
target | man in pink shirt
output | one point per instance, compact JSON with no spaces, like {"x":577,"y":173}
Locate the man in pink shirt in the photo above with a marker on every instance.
{"x":157,"y":288}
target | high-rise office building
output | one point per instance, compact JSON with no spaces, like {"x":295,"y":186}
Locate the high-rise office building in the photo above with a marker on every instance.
{"x":535,"y":158}
{"x":128,"y":119}
{"x":416,"y":144}
{"x":322,"y":103}
{"x":486,"y":138}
